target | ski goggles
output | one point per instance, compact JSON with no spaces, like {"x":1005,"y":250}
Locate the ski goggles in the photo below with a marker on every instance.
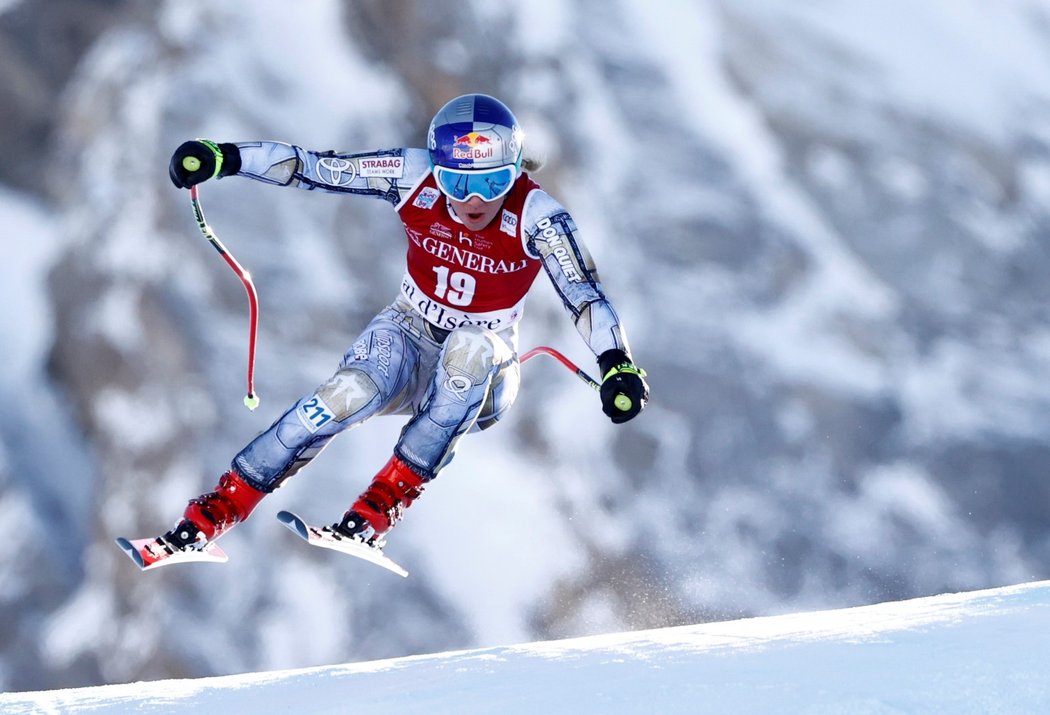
{"x":486,"y":184}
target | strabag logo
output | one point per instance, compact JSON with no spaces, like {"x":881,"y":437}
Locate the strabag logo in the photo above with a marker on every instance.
{"x":387,"y":167}
{"x":336,"y":171}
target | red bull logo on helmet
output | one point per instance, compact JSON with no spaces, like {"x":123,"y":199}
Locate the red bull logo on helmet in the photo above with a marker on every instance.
{"x":473,"y":146}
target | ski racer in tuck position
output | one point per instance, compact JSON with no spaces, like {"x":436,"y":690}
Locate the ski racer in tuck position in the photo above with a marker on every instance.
{"x":444,"y":351}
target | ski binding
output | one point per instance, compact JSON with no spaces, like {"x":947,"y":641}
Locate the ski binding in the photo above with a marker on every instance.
{"x":153,"y":553}
{"x":326,"y":538}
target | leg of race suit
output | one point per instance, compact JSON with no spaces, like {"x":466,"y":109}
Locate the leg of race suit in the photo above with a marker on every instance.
{"x":475,"y":381}
{"x":375,"y":375}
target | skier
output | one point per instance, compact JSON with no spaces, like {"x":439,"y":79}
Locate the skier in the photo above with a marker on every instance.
{"x":445,"y":350}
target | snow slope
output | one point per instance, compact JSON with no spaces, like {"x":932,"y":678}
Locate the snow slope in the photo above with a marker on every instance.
{"x":979,"y":652}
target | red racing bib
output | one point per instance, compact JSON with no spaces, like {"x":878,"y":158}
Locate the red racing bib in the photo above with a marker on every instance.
{"x":459,"y":277}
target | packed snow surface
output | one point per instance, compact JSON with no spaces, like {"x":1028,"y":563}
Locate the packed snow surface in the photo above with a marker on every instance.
{"x":979,"y":652}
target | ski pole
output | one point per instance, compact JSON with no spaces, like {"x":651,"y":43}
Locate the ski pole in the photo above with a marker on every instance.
{"x":251,"y":400}
{"x":622,"y":402}
{"x":551,"y":352}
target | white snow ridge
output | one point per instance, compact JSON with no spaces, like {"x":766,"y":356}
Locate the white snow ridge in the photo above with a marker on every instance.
{"x":980,"y":652}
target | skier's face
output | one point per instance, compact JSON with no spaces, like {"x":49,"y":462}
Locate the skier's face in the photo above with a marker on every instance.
{"x":475,"y":213}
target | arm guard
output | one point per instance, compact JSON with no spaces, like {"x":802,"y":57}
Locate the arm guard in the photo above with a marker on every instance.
{"x":389,"y":174}
{"x":551,"y":235}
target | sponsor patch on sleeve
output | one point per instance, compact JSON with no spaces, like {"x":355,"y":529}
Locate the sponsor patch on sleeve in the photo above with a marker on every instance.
{"x":336,"y":171}
{"x":509,"y":223}
{"x":427,"y":198}
{"x":388,"y":167}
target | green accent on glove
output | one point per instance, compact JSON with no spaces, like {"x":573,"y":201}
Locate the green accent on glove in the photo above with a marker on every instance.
{"x":218,"y":156}
{"x":623,"y":402}
{"x":624,"y":367}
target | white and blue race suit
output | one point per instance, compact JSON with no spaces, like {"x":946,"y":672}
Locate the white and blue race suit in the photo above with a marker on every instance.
{"x":445,"y":350}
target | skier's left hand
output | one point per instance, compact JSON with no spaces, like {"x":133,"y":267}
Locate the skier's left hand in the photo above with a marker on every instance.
{"x":201,"y":159}
{"x":624,"y":391}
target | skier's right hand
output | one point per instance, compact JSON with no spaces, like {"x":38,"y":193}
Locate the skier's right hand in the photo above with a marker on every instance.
{"x":624,"y":391}
{"x":199,"y":160}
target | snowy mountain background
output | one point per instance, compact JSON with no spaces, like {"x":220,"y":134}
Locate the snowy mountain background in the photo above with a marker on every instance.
{"x":823,"y":222}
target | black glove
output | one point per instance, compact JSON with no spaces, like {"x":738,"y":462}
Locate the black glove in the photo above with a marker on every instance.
{"x":624,"y":392}
{"x":199,"y":160}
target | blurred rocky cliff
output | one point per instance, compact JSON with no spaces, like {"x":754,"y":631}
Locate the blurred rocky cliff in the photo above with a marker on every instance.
{"x":824,"y":224}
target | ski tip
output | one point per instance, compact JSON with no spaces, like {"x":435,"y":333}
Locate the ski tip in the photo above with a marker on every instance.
{"x":325,"y":538}
{"x":216,"y":554}
{"x":128,"y":548}
{"x":295,"y":523}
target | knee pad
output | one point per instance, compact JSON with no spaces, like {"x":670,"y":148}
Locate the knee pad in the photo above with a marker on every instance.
{"x":348,"y":391}
{"x":470,"y":356}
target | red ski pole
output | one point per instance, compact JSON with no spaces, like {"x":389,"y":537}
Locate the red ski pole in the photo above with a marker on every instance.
{"x":551,"y":352}
{"x":251,"y":400}
{"x":621,"y":401}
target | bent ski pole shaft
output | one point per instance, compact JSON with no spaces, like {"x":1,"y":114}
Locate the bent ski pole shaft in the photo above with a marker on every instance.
{"x":621,"y":401}
{"x":251,"y":400}
{"x":572,"y":367}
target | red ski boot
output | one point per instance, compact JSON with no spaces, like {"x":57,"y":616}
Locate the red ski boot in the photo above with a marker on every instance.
{"x":383,"y":504}
{"x":211,"y":515}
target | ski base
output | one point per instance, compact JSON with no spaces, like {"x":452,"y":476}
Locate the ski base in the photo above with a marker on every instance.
{"x":150,"y":554}
{"x":325,"y":538}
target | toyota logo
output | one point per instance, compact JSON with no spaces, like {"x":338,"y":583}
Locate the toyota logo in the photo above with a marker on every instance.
{"x":335,"y":171}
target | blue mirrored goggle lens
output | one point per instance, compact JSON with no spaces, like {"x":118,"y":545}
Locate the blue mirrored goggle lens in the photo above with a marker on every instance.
{"x":488,"y":185}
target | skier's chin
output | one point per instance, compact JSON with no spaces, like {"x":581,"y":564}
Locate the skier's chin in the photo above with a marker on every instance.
{"x":476,"y":214}
{"x":476,"y":221}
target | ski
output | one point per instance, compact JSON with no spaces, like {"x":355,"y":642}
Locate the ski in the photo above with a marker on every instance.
{"x":325,"y":538}
{"x":154,"y":553}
